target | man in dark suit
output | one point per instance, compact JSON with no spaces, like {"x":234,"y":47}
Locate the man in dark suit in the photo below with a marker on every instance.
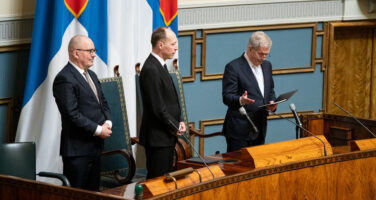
{"x":85,"y":115}
{"x":161,"y":123}
{"x":247,"y":81}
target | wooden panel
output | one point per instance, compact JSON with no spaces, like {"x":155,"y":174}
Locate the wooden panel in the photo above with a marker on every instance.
{"x":286,"y":152}
{"x":316,"y":126}
{"x":13,"y":188}
{"x":365,"y":144}
{"x":350,"y":78}
{"x":158,"y":186}
{"x":332,"y":181}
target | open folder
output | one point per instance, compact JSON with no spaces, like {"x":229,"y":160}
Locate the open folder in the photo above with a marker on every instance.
{"x":281,"y":98}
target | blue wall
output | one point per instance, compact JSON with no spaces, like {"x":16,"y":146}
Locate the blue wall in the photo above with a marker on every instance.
{"x":292,"y":49}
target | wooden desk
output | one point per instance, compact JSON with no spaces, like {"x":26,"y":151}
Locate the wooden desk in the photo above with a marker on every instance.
{"x":350,"y":175}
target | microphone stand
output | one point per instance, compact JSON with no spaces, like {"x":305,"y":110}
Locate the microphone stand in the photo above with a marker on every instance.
{"x":297,"y":125}
{"x":203,"y":161}
{"x":297,"y":131}
{"x":369,"y":131}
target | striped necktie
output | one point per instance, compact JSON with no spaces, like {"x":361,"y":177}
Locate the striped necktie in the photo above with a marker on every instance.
{"x":91,"y":83}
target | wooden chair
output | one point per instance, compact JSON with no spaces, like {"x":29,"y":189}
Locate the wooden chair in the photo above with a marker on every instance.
{"x":118,"y":165}
{"x":183,"y":149}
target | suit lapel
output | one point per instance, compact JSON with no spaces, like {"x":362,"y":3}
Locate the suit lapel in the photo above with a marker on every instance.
{"x":83,"y":81}
{"x":166,"y":76}
{"x":247,"y":70}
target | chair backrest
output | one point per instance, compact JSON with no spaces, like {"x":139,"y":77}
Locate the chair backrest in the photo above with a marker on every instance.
{"x":120,"y":137}
{"x":18,"y":159}
{"x":178,"y":83}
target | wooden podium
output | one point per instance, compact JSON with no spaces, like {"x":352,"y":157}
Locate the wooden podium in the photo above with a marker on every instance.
{"x":365,"y":144}
{"x":286,"y":152}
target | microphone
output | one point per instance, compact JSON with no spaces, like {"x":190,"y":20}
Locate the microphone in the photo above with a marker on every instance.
{"x":303,"y":129}
{"x":244,"y":112}
{"x":297,"y":119}
{"x":369,"y":131}
{"x":203,"y":161}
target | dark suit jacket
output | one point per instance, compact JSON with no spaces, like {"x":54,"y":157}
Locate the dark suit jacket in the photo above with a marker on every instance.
{"x":237,"y":78}
{"x":80,"y":111}
{"x":161,"y":109}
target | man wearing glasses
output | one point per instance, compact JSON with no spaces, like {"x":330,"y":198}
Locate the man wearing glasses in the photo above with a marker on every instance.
{"x":247,"y":81}
{"x":85,"y":115}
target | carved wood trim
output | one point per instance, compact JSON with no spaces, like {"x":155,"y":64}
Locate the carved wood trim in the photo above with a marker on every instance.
{"x":194,"y":42}
{"x":14,"y":47}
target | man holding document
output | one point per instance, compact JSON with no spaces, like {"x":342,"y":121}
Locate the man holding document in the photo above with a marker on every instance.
{"x":247,"y":81}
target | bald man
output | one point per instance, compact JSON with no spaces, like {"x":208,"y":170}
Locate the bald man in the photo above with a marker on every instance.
{"x":161,"y":123}
{"x":85,"y":115}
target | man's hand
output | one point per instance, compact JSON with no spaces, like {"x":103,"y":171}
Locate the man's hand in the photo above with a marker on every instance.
{"x":182,"y":129}
{"x":245,"y":100}
{"x":106,"y":131}
{"x":272,"y":107}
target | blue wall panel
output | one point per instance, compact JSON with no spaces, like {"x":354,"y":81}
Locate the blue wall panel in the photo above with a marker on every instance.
{"x":185,"y":55}
{"x":204,"y":100}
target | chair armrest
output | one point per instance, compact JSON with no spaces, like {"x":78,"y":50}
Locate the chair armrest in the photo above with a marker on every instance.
{"x":61,"y":177}
{"x":131,"y":164}
{"x":135,"y":140}
{"x":195,"y":132}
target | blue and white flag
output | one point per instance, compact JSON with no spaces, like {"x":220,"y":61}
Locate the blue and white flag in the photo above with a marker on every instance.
{"x":120,"y":30}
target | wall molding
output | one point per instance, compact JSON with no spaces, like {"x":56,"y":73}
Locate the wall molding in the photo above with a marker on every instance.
{"x":250,"y":14}
{"x":201,"y":40}
{"x":221,"y":14}
{"x":15,"y":31}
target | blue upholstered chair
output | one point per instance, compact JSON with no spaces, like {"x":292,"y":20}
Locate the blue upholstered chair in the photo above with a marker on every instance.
{"x":18,"y":159}
{"x":183,"y":149}
{"x":118,"y":164}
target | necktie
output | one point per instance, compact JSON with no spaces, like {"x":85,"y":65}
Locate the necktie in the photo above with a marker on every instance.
{"x":91,"y":83}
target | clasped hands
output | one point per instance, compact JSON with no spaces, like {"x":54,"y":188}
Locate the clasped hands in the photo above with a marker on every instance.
{"x":244,"y":100}
{"x":106,"y":131}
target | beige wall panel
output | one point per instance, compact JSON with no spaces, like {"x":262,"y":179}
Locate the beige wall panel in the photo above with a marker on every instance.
{"x":17,"y":8}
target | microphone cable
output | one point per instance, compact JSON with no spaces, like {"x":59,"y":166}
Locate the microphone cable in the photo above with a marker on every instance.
{"x":325,"y":154}
{"x":203,"y":161}
{"x":369,"y":131}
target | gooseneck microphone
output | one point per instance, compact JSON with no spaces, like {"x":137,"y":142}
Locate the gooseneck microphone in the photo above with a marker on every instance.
{"x":369,"y":131}
{"x":303,"y":129}
{"x":297,"y":119}
{"x":244,"y":112}
{"x":203,"y":161}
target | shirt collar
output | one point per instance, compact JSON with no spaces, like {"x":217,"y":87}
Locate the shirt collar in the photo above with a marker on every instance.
{"x":158,"y":58}
{"x":75,"y":66}
{"x":249,"y":61}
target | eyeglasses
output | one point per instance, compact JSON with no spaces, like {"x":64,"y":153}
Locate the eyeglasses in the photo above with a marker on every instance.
{"x":260,"y":54}
{"x":263,"y":54}
{"x":91,"y":51}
